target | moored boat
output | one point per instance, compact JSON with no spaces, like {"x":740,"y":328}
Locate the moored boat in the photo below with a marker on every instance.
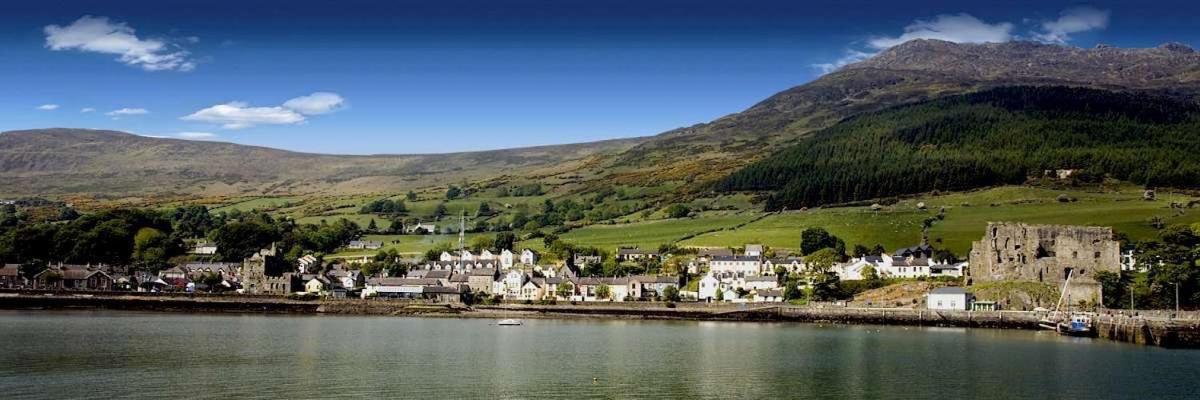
{"x":509,"y":322}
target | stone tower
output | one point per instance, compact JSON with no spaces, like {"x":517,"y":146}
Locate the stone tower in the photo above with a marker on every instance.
{"x":1046,"y":253}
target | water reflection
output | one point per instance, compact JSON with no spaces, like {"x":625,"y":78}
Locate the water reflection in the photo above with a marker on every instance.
{"x":105,"y":355}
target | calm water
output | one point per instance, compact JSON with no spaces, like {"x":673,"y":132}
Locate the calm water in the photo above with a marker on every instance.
{"x":131,"y":355}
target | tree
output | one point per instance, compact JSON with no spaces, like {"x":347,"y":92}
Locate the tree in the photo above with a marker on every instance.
{"x":813,"y":239}
{"x":371,"y":227}
{"x":565,"y":290}
{"x":861,"y":251}
{"x":505,"y":241}
{"x":440,"y":210}
{"x":671,"y":293}
{"x":484,"y":210}
{"x":453,"y":192}
{"x":870,"y":274}
{"x":720,"y":296}
{"x":549,"y":240}
{"x":791,"y":290}
{"x":238,"y":240}
{"x":151,"y":248}
{"x":410,"y":196}
{"x":602,"y":291}
{"x":945,"y":256}
{"x":822,"y":260}
{"x":677,"y":211}
{"x":826,"y":286}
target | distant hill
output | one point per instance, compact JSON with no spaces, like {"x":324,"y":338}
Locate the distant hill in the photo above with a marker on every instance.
{"x":994,"y":137}
{"x":689,"y":160}
{"x":77,"y":161}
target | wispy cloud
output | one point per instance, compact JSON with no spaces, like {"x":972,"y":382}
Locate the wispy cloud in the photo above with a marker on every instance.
{"x":316,"y":103}
{"x":127,"y":111}
{"x":852,"y":56}
{"x":100,"y":35}
{"x":1071,"y":21}
{"x":48,"y":107}
{"x":196,"y":135}
{"x":966,"y":28}
{"x":240,"y":115}
{"x":958,"y":28}
{"x":87,"y":110}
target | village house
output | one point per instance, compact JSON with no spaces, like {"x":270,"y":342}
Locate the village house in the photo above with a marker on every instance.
{"x":308,"y":264}
{"x":528,"y":257}
{"x":506,"y":259}
{"x":203,"y":248}
{"x":634,"y":254}
{"x":404,"y":288}
{"x":317,"y":285}
{"x":365,"y":244}
{"x":753,"y":250}
{"x":789,"y":264}
{"x":768,"y":296}
{"x":482,"y":280}
{"x":10,"y":277}
{"x":757,"y":282}
{"x":582,"y":261}
{"x":709,"y":286}
{"x":948,"y":298}
{"x":349,"y":279}
{"x":651,"y":286}
{"x":420,"y":227}
{"x":77,"y":277}
{"x":743,"y":265}
{"x":706,"y":255}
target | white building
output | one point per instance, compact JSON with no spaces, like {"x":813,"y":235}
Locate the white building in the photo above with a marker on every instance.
{"x":948,"y":298}
{"x":203,"y":248}
{"x":709,"y":286}
{"x":759,"y":282}
{"x":754,"y":250}
{"x":506,"y":259}
{"x":307,"y":264}
{"x":735,"y":265}
{"x":528,"y":257}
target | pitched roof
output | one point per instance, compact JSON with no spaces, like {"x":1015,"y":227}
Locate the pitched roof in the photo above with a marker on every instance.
{"x":770,"y":293}
{"x":735,"y":258}
{"x":437,"y":274}
{"x":483,"y":272}
{"x":459,"y":278}
{"x":754,"y":247}
{"x":10,"y":270}
{"x":761,"y":278}
{"x":949,"y":290}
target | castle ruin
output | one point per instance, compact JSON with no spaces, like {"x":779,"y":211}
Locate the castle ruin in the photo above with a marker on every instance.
{"x":1046,"y":253}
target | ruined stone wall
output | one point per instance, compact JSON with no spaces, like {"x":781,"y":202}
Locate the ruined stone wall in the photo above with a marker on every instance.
{"x":1046,"y":253}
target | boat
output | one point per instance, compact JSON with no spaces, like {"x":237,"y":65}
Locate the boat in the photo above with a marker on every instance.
{"x":1080,"y":324}
{"x":509,"y":322}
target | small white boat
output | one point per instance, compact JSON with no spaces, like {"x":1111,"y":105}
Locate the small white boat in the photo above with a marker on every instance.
{"x":509,"y":322}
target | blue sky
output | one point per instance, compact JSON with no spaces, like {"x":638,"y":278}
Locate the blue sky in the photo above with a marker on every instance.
{"x":417,"y":77}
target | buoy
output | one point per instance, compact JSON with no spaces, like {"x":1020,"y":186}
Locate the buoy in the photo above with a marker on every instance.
{"x":595,"y":380}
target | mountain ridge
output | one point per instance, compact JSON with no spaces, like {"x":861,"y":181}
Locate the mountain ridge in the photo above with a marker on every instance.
{"x":697,"y":155}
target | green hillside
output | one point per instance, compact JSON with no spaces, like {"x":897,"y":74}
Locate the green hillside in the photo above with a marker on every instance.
{"x":994,"y":137}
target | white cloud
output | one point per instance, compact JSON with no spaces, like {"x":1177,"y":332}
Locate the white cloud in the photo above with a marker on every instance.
{"x":851,"y":56}
{"x":1072,"y":20}
{"x":965,"y":28}
{"x":48,"y":107}
{"x":238,"y":115}
{"x":316,"y":103}
{"x":127,"y":111}
{"x":87,"y":110}
{"x":99,"y":35}
{"x":959,"y":28}
{"x":196,"y":135}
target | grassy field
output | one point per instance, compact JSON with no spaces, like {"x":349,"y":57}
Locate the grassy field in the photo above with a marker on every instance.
{"x":259,"y":203}
{"x":967,"y":214}
{"x":361,"y":219}
{"x":650,"y":234}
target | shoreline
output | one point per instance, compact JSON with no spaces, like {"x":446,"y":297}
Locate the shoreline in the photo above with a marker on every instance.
{"x":1146,"y":331}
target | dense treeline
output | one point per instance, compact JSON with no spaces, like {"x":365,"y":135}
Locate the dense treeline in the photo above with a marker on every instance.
{"x":998,"y":136}
{"x":152,"y":239}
